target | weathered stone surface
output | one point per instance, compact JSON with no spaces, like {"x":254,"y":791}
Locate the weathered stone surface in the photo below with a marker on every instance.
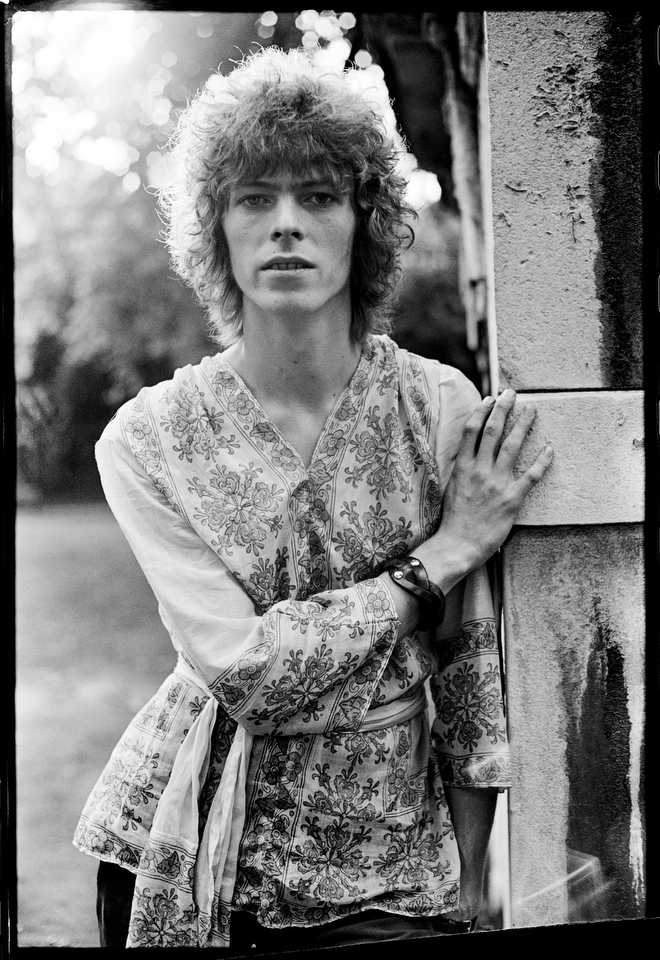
{"x":566,"y":308}
{"x":545,"y":235}
{"x":597,"y":473}
{"x":567,"y":278}
{"x":574,"y":629}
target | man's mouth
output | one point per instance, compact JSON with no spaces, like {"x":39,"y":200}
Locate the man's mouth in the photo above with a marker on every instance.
{"x":287,"y":265}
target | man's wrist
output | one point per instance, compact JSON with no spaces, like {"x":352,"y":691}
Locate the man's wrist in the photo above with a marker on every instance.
{"x":446,"y":561}
{"x":411,"y":575}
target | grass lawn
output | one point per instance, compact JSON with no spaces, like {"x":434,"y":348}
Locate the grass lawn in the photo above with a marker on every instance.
{"x":90,"y":650}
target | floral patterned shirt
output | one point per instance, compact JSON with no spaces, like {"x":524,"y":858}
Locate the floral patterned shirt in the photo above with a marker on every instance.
{"x":264,"y":571}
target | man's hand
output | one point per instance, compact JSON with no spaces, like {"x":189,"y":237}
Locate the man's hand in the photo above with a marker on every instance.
{"x":483,"y":497}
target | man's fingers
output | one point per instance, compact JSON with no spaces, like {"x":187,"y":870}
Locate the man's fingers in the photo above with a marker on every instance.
{"x":492,"y":432}
{"x":473,"y":429}
{"x":512,"y":444}
{"x":537,"y":470}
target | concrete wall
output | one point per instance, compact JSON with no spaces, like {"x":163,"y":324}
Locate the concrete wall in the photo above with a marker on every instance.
{"x":563,"y":99}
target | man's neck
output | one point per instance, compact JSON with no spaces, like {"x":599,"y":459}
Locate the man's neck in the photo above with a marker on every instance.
{"x":301,"y":363}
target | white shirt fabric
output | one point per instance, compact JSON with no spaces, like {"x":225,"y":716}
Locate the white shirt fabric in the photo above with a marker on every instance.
{"x":264,"y":571}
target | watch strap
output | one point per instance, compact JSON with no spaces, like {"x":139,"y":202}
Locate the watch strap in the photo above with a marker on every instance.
{"x":410,"y":574}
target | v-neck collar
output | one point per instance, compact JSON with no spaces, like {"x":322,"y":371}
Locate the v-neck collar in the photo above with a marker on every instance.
{"x":344,"y":413}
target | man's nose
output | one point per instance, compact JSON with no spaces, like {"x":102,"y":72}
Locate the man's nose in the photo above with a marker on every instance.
{"x":287,"y":221}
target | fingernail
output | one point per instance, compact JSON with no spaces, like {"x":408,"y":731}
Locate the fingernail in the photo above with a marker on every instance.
{"x":548,"y":448}
{"x":508,"y":393}
{"x":488,"y":400}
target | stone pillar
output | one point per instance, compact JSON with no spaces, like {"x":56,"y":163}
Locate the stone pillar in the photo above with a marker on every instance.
{"x":565,"y":157}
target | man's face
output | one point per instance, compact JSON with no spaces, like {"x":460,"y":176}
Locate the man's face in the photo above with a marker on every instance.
{"x":290,"y":241}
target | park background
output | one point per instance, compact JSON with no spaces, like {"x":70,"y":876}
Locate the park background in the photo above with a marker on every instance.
{"x":98,"y":314}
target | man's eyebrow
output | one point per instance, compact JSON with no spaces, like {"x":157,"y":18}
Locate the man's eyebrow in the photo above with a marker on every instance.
{"x":303,"y":185}
{"x":318,"y":182}
{"x":253,"y":183}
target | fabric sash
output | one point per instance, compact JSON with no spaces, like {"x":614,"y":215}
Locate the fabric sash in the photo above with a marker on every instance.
{"x":214,"y":858}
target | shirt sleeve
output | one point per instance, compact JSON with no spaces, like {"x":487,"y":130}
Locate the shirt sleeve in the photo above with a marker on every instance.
{"x":304,"y":666}
{"x":469,"y":734}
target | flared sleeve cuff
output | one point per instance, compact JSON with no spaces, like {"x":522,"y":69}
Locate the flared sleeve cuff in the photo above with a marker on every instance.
{"x":469,"y":728}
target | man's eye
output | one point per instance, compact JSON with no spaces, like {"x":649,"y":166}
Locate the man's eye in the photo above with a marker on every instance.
{"x":322,"y":199}
{"x":253,"y":200}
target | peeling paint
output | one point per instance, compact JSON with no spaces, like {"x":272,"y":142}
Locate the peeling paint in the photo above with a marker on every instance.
{"x":574,"y":213}
{"x":563,"y":98}
{"x":528,"y":192}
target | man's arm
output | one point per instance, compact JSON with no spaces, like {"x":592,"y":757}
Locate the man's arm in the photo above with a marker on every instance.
{"x":472,"y":811}
{"x":306,"y":666}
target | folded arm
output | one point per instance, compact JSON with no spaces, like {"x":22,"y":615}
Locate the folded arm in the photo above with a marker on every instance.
{"x":307,"y":666}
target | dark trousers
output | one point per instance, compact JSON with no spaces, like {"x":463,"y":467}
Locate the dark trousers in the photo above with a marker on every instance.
{"x":113,"y":908}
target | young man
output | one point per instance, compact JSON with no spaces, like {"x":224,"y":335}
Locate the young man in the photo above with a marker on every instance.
{"x":313,"y":508}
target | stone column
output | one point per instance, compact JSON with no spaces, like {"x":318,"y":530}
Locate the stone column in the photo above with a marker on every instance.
{"x":565,"y":157}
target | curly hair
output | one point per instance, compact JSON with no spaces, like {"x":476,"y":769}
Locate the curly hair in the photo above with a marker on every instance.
{"x":277,"y":110}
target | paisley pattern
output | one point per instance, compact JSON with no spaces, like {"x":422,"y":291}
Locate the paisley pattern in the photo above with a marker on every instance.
{"x":338,"y":818}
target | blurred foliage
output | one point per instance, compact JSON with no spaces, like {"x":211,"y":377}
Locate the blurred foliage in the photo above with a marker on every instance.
{"x":99,"y":311}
